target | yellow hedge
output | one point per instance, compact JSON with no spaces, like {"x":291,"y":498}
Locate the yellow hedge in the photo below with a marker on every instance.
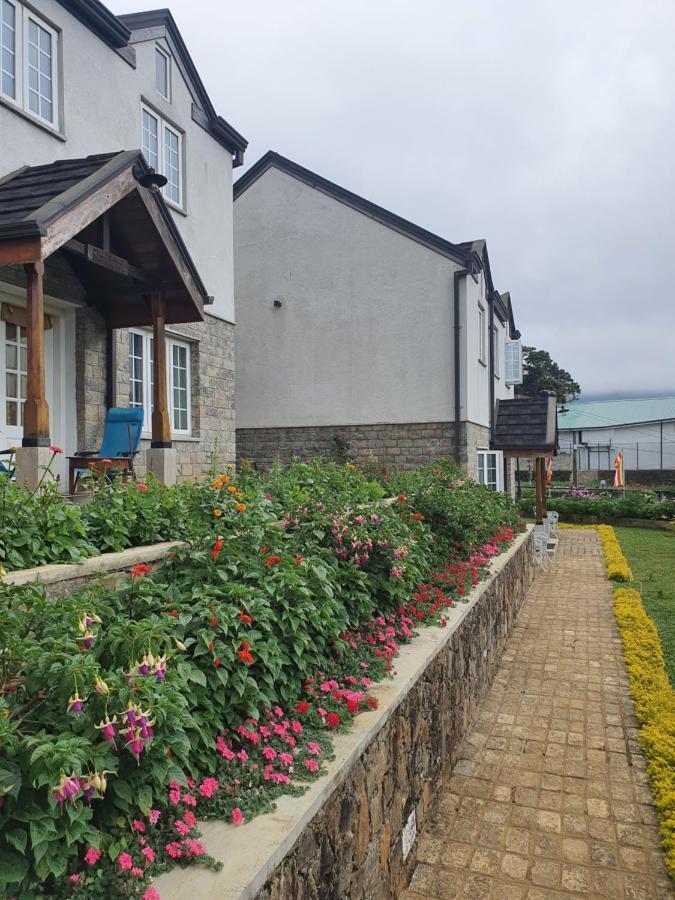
{"x":654,"y":705}
{"x":617,"y":564}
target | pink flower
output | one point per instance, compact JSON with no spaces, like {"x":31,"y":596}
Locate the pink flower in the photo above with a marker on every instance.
{"x":149,"y":854}
{"x":174,"y":850}
{"x":190,"y":818}
{"x":154,"y":816}
{"x":55,"y":449}
{"x":269,"y":753}
{"x":137,"y":872}
{"x":313,"y":748}
{"x":75,"y":879}
{"x":139,"y":826}
{"x":312,"y":765}
{"x":181,"y":827}
{"x":124,"y":861}
{"x":92,"y":856}
{"x":286,"y":758}
{"x":141,"y":487}
{"x":151,"y":894}
{"x":237,"y":816}
{"x":189,"y":800}
{"x":174,"y":797}
{"x":296,"y":727}
{"x":208,"y":787}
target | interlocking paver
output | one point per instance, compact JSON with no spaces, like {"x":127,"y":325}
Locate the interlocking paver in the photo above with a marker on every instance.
{"x":550,"y":798}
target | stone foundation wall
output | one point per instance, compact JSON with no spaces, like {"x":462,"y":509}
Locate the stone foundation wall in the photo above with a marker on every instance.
{"x":403,"y":446}
{"x":353,"y":846}
{"x":212,"y":398}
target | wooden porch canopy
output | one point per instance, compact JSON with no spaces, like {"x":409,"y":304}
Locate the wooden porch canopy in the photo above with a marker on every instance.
{"x":118,"y":240}
{"x":527,"y":427}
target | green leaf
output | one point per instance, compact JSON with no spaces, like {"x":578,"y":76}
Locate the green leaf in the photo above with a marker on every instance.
{"x":145,"y":799}
{"x":12,"y":867}
{"x":42,"y":830}
{"x":18,"y":839}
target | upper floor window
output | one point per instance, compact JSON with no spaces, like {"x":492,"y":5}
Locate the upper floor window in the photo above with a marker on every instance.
{"x":162,"y":147}
{"x":28,"y":62}
{"x":481,"y":333}
{"x":495,"y":352}
{"x":163,"y":73}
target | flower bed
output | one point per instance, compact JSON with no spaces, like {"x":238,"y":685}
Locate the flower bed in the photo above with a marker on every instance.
{"x":211,"y":685}
{"x":617,"y":564}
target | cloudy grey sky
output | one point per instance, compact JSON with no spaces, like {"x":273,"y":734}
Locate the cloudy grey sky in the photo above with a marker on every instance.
{"x":547,"y":128}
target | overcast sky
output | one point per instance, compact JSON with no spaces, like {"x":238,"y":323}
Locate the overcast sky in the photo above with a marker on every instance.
{"x":547,"y":128}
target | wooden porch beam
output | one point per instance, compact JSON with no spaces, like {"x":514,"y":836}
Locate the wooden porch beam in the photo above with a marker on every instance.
{"x":540,"y":488}
{"x":36,"y":409}
{"x":106,"y":260}
{"x":20,"y":250}
{"x":161,"y":423}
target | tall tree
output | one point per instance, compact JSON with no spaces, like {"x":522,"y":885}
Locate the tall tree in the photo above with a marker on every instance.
{"x":541,"y":373}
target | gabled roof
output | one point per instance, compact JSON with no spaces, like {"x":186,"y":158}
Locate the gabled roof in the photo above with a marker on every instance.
{"x":610,"y":413}
{"x":44,"y":209}
{"x":217,"y":127}
{"x":117,"y":32}
{"x":461,"y":253}
{"x":526,"y":425}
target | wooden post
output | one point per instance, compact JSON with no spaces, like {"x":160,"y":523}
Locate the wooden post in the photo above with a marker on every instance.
{"x":161,"y":423}
{"x":36,"y":409}
{"x":542,"y":463}
{"x":539,"y":486}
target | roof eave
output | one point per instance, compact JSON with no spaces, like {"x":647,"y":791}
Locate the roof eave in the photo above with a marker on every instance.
{"x":100,"y":20}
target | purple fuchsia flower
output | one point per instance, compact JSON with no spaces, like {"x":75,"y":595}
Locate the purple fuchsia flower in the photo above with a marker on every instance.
{"x":160,"y":668}
{"x":75,"y":704}
{"x":145,"y":665}
{"x":107,"y":728}
{"x":67,"y":788}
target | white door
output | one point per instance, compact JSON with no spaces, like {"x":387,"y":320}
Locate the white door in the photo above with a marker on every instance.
{"x":13,"y":371}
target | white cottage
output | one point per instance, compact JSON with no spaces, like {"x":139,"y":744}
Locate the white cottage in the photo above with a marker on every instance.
{"x":360,"y":333}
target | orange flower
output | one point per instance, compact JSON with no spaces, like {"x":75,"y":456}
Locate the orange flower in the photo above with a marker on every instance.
{"x":217,"y":513}
{"x":298,"y":559}
{"x":272,"y":561}
{"x":245,"y":653}
{"x":417,"y":516}
{"x":232,"y":489}
{"x":240,"y":507}
{"x":216,"y":484}
{"x":245,"y":618}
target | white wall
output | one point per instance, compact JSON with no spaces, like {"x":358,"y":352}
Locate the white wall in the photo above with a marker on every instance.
{"x":624,"y":437}
{"x":364,"y":334}
{"x":102,"y":113}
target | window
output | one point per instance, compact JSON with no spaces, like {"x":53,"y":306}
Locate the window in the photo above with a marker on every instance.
{"x":163,"y":149}
{"x":513,"y":362}
{"x":495,"y":352}
{"x":16,"y":364}
{"x":141,"y":383}
{"x":28,"y":53}
{"x":490,"y":467}
{"x":481,"y":333}
{"x":162,"y":73}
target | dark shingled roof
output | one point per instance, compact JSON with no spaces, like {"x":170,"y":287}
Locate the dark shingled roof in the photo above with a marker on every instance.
{"x":24,"y":192}
{"x":526,"y":423}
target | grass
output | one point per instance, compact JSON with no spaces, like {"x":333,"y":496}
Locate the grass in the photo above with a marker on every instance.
{"x":651,"y":555}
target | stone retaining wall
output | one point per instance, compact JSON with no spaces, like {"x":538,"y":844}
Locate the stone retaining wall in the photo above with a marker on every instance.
{"x":403,"y":446}
{"x":344,"y":837}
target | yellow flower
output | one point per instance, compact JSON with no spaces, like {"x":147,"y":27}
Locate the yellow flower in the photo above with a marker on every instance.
{"x":350,"y":466}
{"x":224,"y":479}
{"x":216,"y":484}
{"x":240,"y":507}
{"x":217,"y":513}
{"x":232,"y":489}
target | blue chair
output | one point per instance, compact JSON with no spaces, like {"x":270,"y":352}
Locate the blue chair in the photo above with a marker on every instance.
{"x":121,"y":442}
{"x":8,"y":469}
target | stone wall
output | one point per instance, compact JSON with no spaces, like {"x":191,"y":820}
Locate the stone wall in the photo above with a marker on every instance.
{"x":212,"y":359}
{"x":353,"y":846}
{"x":403,"y":445}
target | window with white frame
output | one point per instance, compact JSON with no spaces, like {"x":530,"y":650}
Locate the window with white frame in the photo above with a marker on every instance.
{"x":481,"y":333}
{"x":179,"y":381}
{"x":513,"y":362}
{"x":162,"y":73}
{"x":162,"y":147}
{"x":28,"y":62}
{"x":495,"y":352}
{"x":490,"y":464}
{"x":16,"y":373}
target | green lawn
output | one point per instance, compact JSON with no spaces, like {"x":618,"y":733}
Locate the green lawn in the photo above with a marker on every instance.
{"x":651,"y":555}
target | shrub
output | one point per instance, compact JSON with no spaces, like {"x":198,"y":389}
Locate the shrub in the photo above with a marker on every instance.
{"x":607,"y":509}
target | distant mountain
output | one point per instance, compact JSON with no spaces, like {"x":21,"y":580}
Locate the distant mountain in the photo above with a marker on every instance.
{"x":629,"y":395}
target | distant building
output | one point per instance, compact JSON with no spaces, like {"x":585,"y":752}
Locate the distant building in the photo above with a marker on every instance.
{"x":644,"y":429}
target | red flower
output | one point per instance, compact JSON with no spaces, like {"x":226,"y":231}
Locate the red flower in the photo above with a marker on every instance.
{"x":401,"y":498}
{"x":213,"y":622}
{"x":333,"y":719}
{"x":372,"y":702}
{"x":245,"y":653}
{"x":272,"y":561}
{"x":417,"y":516}
{"x":174,"y":613}
{"x":141,"y":487}
{"x":217,"y":547}
{"x":55,"y":449}
{"x":245,"y":618}
{"x":298,"y":559}
{"x":140,"y":569}
{"x":352,"y":706}
{"x":211,"y":645}
{"x":302,"y":706}
{"x":216,"y":662}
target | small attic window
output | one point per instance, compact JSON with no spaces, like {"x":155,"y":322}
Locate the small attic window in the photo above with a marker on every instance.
{"x":162,"y":73}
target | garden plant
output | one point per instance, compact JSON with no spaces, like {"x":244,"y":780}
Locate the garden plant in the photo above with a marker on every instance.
{"x":211,"y":684}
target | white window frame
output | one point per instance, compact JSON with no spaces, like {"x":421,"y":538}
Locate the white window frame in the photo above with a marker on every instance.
{"x":162,"y":128}
{"x":495,"y":351}
{"x":167,"y":57}
{"x":20,"y":100}
{"x":482,"y":469}
{"x":481,"y":333}
{"x":147,"y":381}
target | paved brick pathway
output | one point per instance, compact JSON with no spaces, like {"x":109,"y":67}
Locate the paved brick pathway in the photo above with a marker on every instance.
{"x":550,"y":798}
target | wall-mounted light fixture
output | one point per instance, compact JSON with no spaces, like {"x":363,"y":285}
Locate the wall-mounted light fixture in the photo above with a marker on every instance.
{"x":276,"y":304}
